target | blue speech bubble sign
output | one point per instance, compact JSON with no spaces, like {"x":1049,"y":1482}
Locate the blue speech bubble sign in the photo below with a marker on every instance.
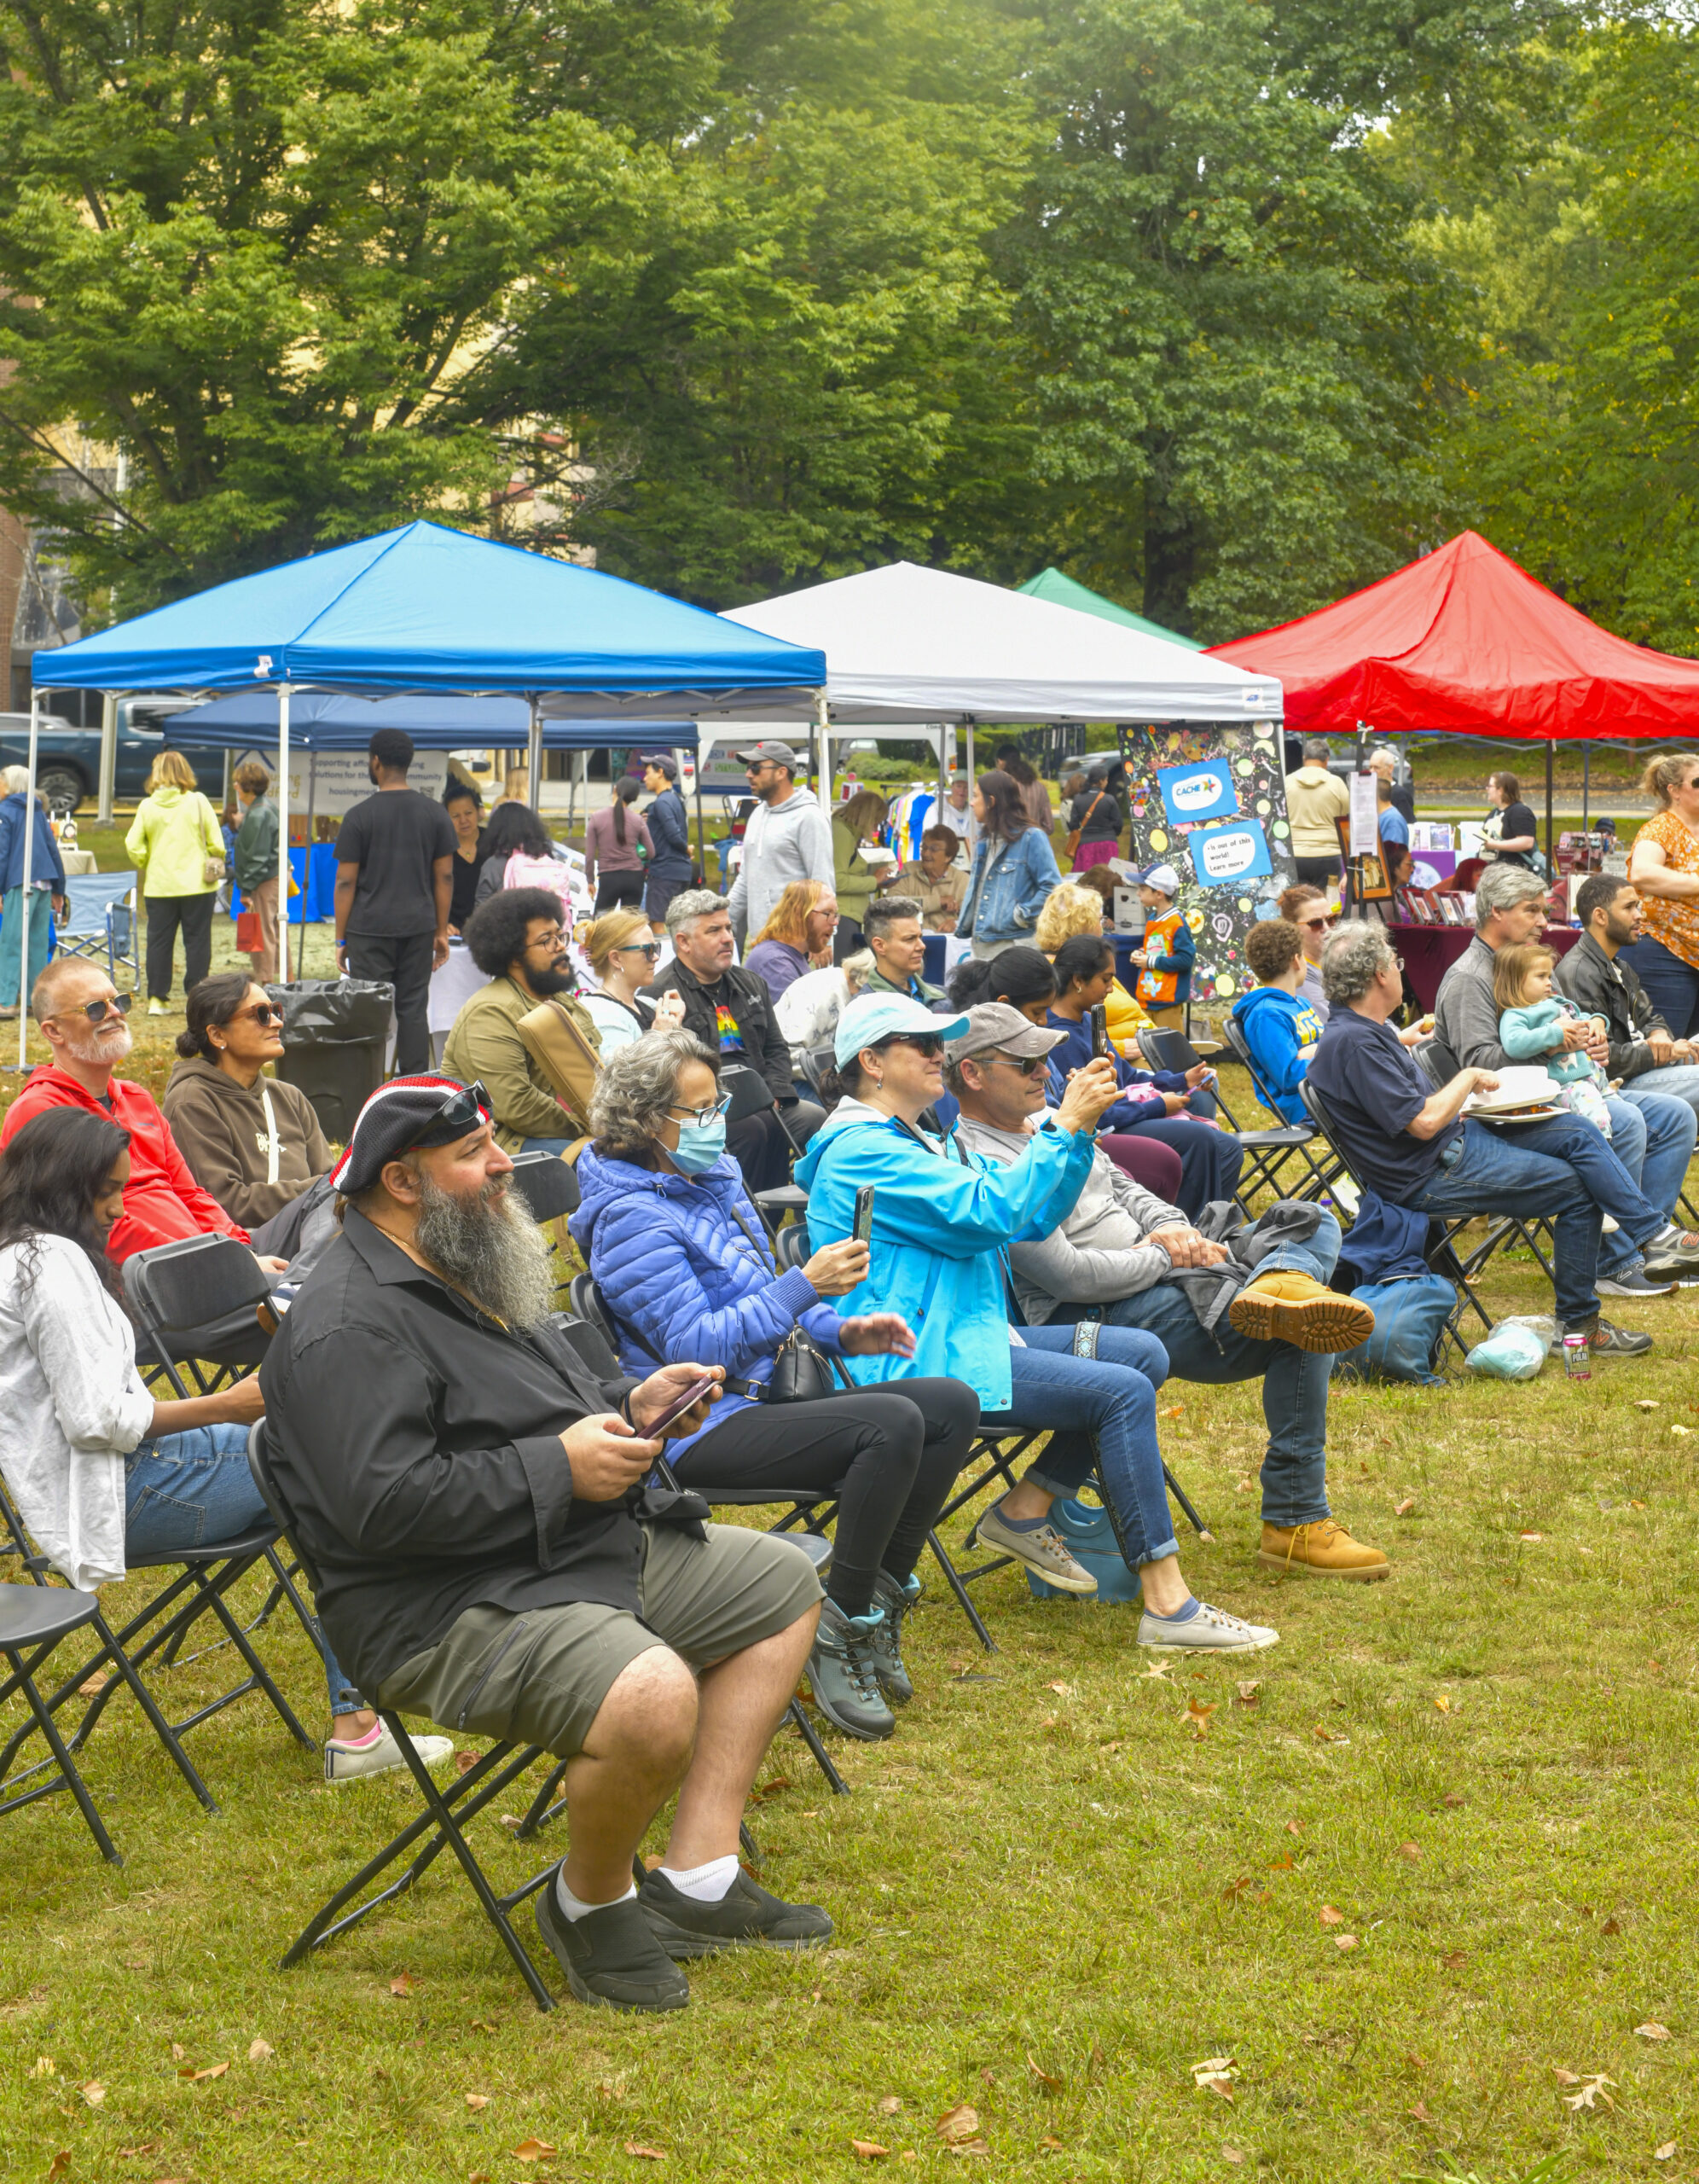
{"x":1203,"y":790}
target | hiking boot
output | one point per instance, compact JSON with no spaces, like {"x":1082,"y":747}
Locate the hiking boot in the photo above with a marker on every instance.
{"x":1633,"y":1281}
{"x":377,"y":1753}
{"x":1322,"y":1549}
{"x":1284,"y":1306}
{"x":611,"y":1957}
{"x":1605,"y":1340}
{"x":1211,"y":1630}
{"x":843,"y":1676}
{"x":1039,"y":1546}
{"x":746,"y":1913}
{"x":896,"y":1600}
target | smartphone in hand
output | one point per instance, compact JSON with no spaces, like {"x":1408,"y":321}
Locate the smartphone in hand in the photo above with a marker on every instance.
{"x":692,"y":1395}
{"x":1097,"y":1020}
{"x":862,"y":1228}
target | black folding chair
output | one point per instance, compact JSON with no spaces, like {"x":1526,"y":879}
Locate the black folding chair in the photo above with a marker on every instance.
{"x":548,"y":1185}
{"x":194,"y":1304}
{"x":816,"y":1061}
{"x":1264,"y":1150}
{"x":445,"y":1816}
{"x":1321,"y":1176}
{"x":34,"y":1619}
{"x":751,"y":1095}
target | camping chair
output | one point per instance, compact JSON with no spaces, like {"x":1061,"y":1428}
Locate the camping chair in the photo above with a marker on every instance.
{"x":101,"y":920}
{"x":591,"y":1333}
{"x":1441,"y":1255}
{"x":751,"y":1095}
{"x":1320,"y":1178}
{"x":34,"y":1619}
{"x":445,"y":1811}
{"x":1265,"y":1150}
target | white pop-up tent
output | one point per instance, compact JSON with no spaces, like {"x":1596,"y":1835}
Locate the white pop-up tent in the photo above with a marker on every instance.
{"x":908,"y":644}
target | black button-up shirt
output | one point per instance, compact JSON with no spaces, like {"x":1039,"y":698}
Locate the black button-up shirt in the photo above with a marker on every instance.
{"x":417,"y":1441}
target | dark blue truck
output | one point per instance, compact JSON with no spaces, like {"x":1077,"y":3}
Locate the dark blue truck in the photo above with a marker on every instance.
{"x":68,"y":756}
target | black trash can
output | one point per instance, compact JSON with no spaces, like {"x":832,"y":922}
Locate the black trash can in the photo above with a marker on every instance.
{"x":336,"y":1032}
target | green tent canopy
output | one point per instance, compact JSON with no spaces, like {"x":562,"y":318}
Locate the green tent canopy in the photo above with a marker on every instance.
{"x":1063,"y":591}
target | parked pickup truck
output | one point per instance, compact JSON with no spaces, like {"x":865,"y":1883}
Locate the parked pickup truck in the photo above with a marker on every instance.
{"x":68,"y":759}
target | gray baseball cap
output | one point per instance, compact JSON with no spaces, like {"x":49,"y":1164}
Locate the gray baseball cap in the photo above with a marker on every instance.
{"x":996,"y":1027}
{"x":780,"y":754}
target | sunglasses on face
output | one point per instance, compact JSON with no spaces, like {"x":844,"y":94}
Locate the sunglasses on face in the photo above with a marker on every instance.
{"x":1320,"y":925}
{"x":928,"y":1044}
{"x":96,"y":1010}
{"x":1035,"y":1066}
{"x":264,"y":1012}
{"x":649,"y":948}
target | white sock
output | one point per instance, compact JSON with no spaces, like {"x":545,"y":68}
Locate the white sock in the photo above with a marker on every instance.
{"x":707,"y":1884}
{"x":571,"y":1908}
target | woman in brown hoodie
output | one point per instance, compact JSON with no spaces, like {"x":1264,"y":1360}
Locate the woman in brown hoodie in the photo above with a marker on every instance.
{"x":254,"y":1143}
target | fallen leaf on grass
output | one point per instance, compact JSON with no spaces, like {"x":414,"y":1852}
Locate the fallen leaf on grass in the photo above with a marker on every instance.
{"x":985,"y":2073}
{"x":466,"y":1761}
{"x":1062,"y":1690}
{"x":1231,"y":2154}
{"x":1450,"y":1797}
{"x":869,"y":2149}
{"x":1405,"y":1505}
{"x":1216,"y":2075}
{"x":1344,"y":1941}
{"x":770,"y":1789}
{"x":891,"y":2105}
{"x":1174,"y":1410}
{"x":1644,"y":1403}
{"x":1235,"y":1889}
{"x":1611,"y":1926}
{"x":639,"y":2153}
{"x":1565,"y":2078}
{"x":212,"y":2071}
{"x":1329,"y":1917}
{"x":92,"y":1685}
{"x":1455,"y":1962}
{"x":977,"y":2147}
{"x":1420,"y":2112}
{"x":1247,"y":1692}
{"x":1245,"y":1486}
{"x":401,"y":1983}
{"x":1054,"y":2084}
{"x":475,"y":2100}
{"x":1683,"y":1430}
{"x":1158,"y":1669}
{"x":536,"y":2150}
{"x":1531,"y":1539}
{"x":1322,"y":1735}
{"x":42,"y":2066}
{"x":1198,"y":1717}
{"x":60,"y":2164}
{"x":1592,"y":2089}
{"x":93,"y":2092}
{"x":1412,"y":1851}
{"x":258,"y":2050}
{"x":178,"y":2051}
{"x":1050,"y":2144}
{"x":131,"y":2154}
{"x":1442,"y":1704}
{"x":1666,"y":2152}
{"x":1652,"y":2029}
{"x":1293,"y":1828}
{"x":958,"y":2124}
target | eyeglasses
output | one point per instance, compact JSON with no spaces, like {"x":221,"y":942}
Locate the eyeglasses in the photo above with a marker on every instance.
{"x":652,"y":949}
{"x":701,"y":1115}
{"x":1035,"y":1066}
{"x":96,"y":1010}
{"x":1320,"y":925}
{"x":552,"y":938}
{"x":263,"y":1012}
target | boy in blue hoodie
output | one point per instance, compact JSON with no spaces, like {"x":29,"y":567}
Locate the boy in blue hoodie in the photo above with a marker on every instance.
{"x":1280,"y":1028}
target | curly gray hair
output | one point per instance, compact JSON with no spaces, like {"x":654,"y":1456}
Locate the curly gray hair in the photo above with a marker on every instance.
{"x":693,"y":903}
{"x":1501,"y":887}
{"x":1352,"y":960}
{"x":639,"y":1082}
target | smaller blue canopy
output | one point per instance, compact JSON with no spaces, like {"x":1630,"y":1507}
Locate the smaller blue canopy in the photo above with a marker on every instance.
{"x":427,"y":608}
{"x":325,"y":720}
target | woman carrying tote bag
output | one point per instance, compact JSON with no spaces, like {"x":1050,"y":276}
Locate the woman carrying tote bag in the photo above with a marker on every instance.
{"x":178,"y":846}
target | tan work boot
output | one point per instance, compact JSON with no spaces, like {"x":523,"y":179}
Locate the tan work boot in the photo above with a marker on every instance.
{"x":1287,"y":1307}
{"x":1326,"y":1549}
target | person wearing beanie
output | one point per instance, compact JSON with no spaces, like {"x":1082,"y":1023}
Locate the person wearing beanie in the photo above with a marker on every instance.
{"x":491,"y":1557}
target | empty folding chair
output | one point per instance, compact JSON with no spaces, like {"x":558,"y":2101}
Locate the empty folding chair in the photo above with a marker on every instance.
{"x":1264,"y":1150}
{"x":751,"y":1095}
{"x":99,"y":919}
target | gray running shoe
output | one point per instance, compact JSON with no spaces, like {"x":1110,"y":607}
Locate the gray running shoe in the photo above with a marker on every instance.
{"x":896,"y":1600}
{"x":1633,"y":1282}
{"x":844,"y":1677}
{"x":1605,"y":1340}
{"x":1211,"y":1630}
{"x":1042,"y":1550}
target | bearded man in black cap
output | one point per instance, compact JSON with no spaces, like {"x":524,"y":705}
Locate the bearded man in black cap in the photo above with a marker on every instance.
{"x":490,"y":1558}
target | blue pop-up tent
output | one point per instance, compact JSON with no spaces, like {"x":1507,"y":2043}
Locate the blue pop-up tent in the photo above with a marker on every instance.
{"x":326,"y":720}
{"x":427,"y":609}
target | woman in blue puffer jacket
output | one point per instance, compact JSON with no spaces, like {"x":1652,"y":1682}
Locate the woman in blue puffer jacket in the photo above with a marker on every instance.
{"x":679,"y":1253}
{"x":1014,"y":870}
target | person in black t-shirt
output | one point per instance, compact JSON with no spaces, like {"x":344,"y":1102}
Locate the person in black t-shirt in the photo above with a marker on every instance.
{"x":1511,"y":833}
{"x":394,"y":890}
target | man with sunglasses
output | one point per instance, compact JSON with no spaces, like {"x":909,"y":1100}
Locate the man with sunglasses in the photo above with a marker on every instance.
{"x":516,"y":939}
{"x":83,"y":1017}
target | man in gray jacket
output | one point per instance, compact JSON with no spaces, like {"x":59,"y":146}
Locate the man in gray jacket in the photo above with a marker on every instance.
{"x":788,"y":838}
{"x":1651,"y":1134}
{"x":1123,"y":1257}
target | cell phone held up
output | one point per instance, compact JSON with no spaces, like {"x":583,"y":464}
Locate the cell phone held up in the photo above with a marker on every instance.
{"x":697,"y":1391}
{"x":1097,"y":1021}
{"x":862,"y":1230}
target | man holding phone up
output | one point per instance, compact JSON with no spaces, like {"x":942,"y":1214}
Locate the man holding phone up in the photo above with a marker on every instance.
{"x":475,"y":1501}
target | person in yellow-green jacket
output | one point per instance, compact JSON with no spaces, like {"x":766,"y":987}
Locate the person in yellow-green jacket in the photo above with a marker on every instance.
{"x":855,"y":882}
{"x":178,"y":846}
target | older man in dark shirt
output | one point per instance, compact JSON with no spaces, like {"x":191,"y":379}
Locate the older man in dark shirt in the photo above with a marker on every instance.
{"x":490,"y":1558}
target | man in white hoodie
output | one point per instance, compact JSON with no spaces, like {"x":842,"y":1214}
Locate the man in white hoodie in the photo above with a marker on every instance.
{"x":788,"y":838}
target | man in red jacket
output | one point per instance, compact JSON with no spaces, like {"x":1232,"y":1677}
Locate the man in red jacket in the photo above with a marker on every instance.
{"x":82,"y":1018}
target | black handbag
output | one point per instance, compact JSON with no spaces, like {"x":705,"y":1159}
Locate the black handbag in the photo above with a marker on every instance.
{"x":801,"y":1370}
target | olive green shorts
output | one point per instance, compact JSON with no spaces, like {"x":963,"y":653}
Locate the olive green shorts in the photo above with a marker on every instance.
{"x":539,"y":1676}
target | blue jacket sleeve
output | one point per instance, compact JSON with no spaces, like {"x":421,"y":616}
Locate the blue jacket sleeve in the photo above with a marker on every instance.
{"x":1524,"y":1038}
{"x":959,"y":1212}
{"x":645,"y":1271}
{"x":1273,"y":1038}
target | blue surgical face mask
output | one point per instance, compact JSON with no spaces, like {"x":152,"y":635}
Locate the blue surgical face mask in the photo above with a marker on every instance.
{"x":700,"y":1145}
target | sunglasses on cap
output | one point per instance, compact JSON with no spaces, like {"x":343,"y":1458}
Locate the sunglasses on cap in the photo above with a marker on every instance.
{"x":95,"y":1011}
{"x":464,"y":1111}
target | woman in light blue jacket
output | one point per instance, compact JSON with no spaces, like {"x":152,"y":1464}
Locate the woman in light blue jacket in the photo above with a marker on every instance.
{"x":1014,"y":870}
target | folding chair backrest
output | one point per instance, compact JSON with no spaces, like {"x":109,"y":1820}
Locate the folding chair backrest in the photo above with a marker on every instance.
{"x":193,"y":1282}
{"x":548,"y":1184}
{"x":1233,"y":1034}
{"x":597,"y":1344}
{"x":1165,"y":1048}
{"x":276,"y":1502}
{"x":88,"y":897}
{"x":790,"y":1245}
{"x":816,"y":1060}
{"x":751,"y":1093}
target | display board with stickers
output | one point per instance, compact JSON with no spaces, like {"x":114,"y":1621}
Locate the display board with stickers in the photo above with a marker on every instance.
{"x":1211,"y":801}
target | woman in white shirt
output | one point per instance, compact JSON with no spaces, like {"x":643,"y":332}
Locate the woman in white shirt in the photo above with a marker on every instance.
{"x":97,"y":1467}
{"x":622,"y":952}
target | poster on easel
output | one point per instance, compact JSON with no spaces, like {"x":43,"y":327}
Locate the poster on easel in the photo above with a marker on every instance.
{"x":1223,"y":783}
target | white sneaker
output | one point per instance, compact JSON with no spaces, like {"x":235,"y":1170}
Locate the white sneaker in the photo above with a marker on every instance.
{"x":1211,"y":1630}
{"x":353,"y":1762}
{"x":158,"y":1009}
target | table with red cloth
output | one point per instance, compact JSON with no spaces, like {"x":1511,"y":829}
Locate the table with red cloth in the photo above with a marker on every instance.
{"x":1430,"y":950}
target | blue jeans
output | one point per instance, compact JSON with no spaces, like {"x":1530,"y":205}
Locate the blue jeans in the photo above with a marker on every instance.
{"x":1545,"y":1172}
{"x":12,"y":941}
{"x":1101,"y":1410}
{"x":1671,"y":985}
{"x":185,"y":1490}
{"x":1671,"y":1125}
{"x":1676,"y":1080}
{"x":1294,"y":1381}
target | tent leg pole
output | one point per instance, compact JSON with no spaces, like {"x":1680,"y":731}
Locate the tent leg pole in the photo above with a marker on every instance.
{"x":534,"y":758}
{"x":1550,"y":849}
{"x":1587,"y":770}
{"x":23,"y":995}
{"x":301,"y":944}
{"x":972,"y":776}
{"x":108,"y":757}
{"x":701,"y":823}
{"x":284,"y":827}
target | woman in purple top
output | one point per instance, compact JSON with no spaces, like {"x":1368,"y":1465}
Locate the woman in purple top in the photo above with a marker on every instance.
{"x":797,"y":937}
{"x":617,"y":849}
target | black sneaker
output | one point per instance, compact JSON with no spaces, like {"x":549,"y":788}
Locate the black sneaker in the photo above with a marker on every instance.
{"x":842,"y":1677}
{"x":610,"y":1957}
{"x":1605,"y":1340}
{"x":745,"y":1914}
{"x":896,"y":1600}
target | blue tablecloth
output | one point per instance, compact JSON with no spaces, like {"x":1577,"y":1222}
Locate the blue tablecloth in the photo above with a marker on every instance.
{"x":317,"y":900}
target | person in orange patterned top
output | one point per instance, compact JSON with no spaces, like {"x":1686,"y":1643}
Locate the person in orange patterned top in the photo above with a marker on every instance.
{"x":1664,"y":865}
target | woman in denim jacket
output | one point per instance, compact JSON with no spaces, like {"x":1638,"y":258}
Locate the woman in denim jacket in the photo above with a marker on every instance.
{"x":1014,"y":870}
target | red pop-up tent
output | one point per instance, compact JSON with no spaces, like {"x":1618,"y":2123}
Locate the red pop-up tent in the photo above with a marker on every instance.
{"x":1465,"y":641}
